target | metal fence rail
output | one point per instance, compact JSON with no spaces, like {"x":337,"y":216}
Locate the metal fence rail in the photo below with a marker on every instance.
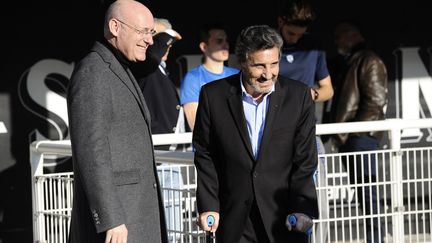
{"x":53,"y":199}
{"x":345,"y":222}
{"x":403,"y":185}
{"x":347,"y":217}
{"x":54,"y":196}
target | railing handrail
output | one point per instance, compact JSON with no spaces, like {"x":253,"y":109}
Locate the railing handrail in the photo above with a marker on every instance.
{"x":372,"y":126}
{"x":63,"y":147}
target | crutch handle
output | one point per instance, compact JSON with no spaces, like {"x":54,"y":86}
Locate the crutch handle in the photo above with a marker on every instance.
{"x":210,"y":220}
{"x":210,"y":236}
{"x":292,"y":219}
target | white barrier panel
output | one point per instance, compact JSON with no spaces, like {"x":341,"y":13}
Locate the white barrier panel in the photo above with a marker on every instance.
{"x":402,"y":184}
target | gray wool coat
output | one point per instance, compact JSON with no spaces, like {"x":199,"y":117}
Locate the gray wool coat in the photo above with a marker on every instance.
{"x":115,"y":178}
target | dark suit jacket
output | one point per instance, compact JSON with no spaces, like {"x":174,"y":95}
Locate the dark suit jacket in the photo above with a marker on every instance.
{"x":159,"y":91}
{"x":115,"y":180}
{"x":280,"y":180}
{"x":163,"y":102}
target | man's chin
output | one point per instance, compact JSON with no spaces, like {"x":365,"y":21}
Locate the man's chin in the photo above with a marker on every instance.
{"x":266,"y":87}
{"x":141,"y":58}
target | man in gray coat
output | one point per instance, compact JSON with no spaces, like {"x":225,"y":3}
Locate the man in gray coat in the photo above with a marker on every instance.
{"x":116,"y":192}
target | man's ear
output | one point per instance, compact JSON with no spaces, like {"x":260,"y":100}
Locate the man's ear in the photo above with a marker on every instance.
{"x":203,"y":46}
{"x":114,"y":27}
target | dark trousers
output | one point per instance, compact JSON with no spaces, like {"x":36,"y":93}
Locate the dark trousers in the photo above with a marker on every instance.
{"x":366,"y":166}
{"x":254,"y":231}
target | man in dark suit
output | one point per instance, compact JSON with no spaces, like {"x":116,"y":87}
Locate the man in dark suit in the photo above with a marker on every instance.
{"x":159,"y":91}
{"x":255,"y":147}
{"x":117,"y":195}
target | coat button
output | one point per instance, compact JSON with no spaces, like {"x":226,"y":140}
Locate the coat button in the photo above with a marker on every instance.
{"x":255,"y":174}
{"x":154,"y":185}
{"x":178,"y":107}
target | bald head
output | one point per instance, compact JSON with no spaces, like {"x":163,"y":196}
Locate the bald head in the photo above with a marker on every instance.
{"x":125,"y":9}
{"x":129,"y":28}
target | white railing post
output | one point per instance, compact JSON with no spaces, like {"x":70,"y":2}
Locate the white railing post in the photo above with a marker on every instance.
{"x":396,"y":178}
{"x":36,"y":166}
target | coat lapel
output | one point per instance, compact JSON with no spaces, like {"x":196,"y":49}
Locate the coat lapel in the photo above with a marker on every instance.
{"x":275,"y":100}
{"x":126,"y":78}
{"x":141,"y":100}
{"x":236,"y":108}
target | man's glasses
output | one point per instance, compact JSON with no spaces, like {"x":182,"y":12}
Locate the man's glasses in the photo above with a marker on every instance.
{"x":142,"y":32}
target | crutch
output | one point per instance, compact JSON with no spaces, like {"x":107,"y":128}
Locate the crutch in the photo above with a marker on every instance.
{"x":292,"y":220}
{"x":210,"y":236}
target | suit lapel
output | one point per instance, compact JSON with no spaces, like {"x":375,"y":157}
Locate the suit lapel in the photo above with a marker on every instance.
{"x":141,"y":100}
{"x":126,"y":78}
{"x":236,"y":108}
{"x":275,"y":100}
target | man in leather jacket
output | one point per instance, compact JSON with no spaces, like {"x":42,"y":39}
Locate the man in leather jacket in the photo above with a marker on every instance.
{"x":360,"y":82}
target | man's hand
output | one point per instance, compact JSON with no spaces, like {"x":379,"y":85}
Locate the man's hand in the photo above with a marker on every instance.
{"x":202,"y":221}
{"x":299,"y":222}
{"x":117,"y":234}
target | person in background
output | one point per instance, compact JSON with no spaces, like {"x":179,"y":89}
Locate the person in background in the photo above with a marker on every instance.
{"x":117,"y":197}
{"x":159,"y":91}
{"x":303,"y":59}
{"x":214,"y":44}
{"x":255,"y":150}
{"x":167,"y":116}
{"x":361,"y":95}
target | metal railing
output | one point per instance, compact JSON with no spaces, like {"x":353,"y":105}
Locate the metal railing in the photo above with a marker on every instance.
{"x":397,"y":181}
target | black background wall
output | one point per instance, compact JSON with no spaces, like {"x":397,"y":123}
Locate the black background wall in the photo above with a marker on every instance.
{"x":65,"y":30}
